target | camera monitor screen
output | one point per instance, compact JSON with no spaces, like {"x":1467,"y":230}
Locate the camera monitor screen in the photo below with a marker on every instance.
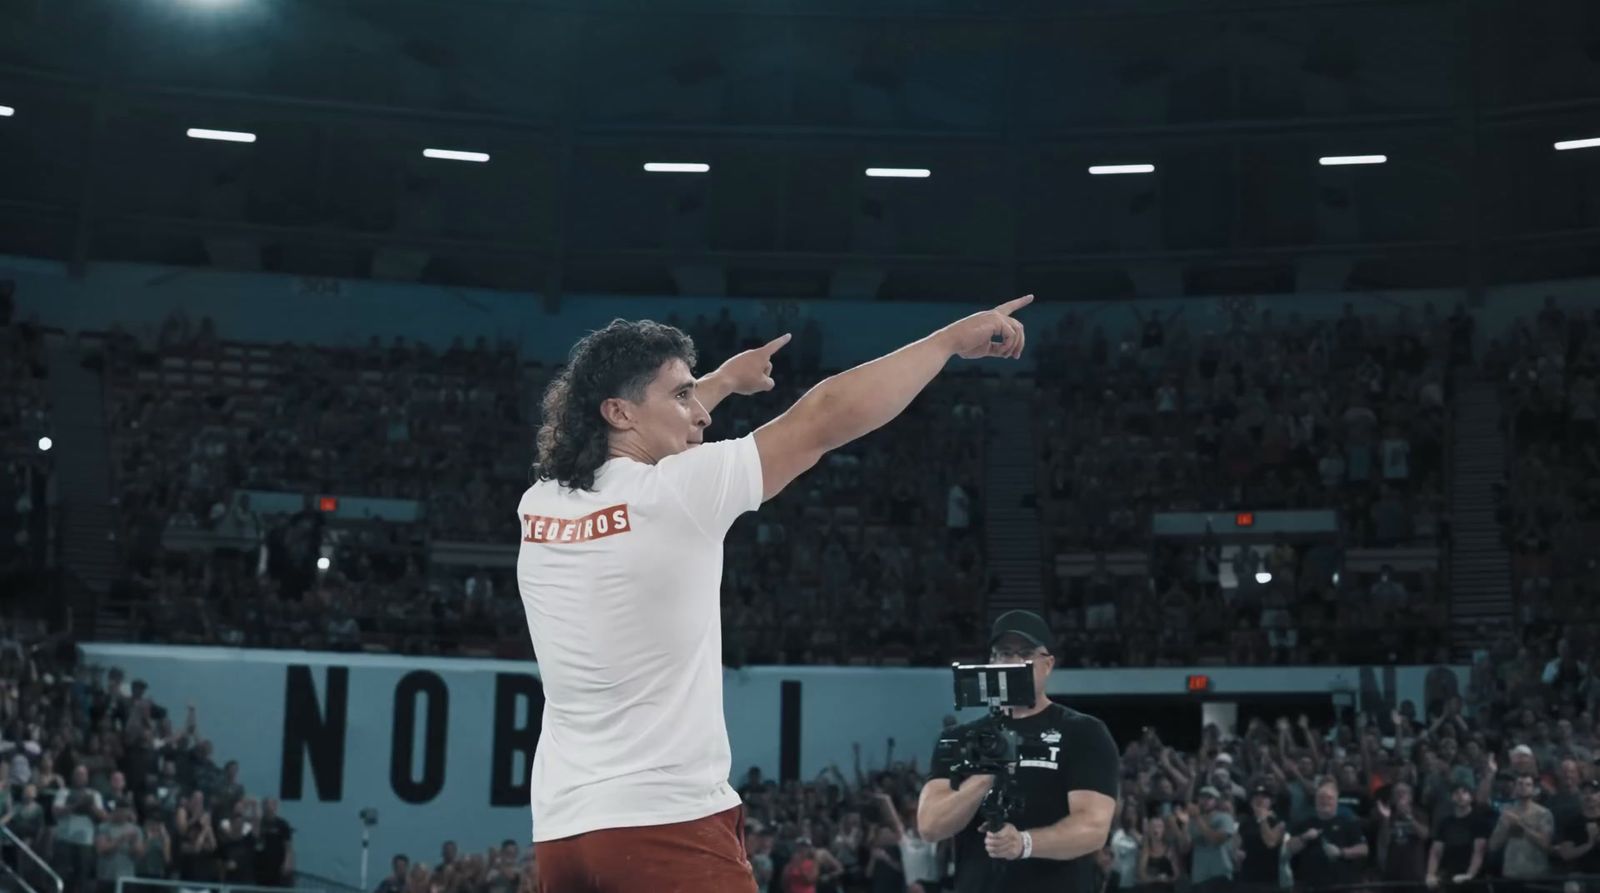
{"x":993,"y":685}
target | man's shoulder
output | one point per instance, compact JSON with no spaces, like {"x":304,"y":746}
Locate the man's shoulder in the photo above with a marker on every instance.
{"x":1068,"y":719}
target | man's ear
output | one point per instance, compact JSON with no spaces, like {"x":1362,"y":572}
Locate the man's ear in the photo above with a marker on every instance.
{"x":617,"y":412}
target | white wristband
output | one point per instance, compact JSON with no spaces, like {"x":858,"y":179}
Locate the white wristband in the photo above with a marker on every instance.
{"x":1027,"y":846}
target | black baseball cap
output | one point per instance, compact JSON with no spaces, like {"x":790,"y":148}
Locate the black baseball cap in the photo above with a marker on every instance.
{"x":1260,"y":790}
{"x":1026,"y":624}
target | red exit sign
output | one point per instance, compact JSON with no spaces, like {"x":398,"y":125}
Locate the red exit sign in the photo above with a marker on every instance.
{"x":1199,"y":683}
{"x":1244,"y":519}
{"x":327,"y":504}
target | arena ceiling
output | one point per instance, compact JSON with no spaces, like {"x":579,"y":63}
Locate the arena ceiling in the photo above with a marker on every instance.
{"x":1007,"y":104}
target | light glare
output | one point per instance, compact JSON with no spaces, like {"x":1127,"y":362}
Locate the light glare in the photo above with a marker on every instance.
{"x":911,"y":172}
{"x":455,"y":155}
{"x":1578,"y":144}
{"x":227,"y":136}
{"x":1122,"y":169}
{"x":1336,"y":160}
{"x":676,"y":167}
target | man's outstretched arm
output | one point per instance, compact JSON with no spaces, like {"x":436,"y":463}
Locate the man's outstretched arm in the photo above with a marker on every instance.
{"x":858,"y":401}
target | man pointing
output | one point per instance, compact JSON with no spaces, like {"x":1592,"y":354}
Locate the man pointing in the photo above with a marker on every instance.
{"x":620,"y":572}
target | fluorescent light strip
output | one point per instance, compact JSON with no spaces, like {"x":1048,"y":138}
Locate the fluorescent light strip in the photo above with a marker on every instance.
{"x":1578,"y":144}
{"x":455,"y":155}
{"x":1122,"y":169}
{"x":7,"y":111}
{"x":676,"y":167}
{"x":227,"y":136}
{"x":912,"y":172}
{"x":1336,"y":160}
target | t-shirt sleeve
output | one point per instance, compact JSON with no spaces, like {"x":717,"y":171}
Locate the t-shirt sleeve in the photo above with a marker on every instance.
{"x":716,"y":482}
{"x":1094,"y":764}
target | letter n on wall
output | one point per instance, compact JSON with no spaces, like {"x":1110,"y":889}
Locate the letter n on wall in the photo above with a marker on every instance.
{"x":314,"y":732}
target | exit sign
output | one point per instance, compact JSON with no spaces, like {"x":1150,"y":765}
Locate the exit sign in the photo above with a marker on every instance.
{"x":1244,"y":519}
{"x":1199,"y":683}
{"x":328,"y":504}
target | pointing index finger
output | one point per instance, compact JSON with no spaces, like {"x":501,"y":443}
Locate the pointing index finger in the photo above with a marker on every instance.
{"x":1012,"y":306}
{"x":775,"y":344}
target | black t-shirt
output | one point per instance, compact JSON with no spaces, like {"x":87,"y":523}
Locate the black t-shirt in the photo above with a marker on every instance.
{"x":1459,"y":835}
{"x":1575,"y":829}
{"x":887,"y":877}
{"x":1312,"y":865}
{"x":1408,"y":851}
{"x":1356,"y":802}
{"x":272,"y":846}
{"x":1061,"y":750}
{"x":1260,"y":863}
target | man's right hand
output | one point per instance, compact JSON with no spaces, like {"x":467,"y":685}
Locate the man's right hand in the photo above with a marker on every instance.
{"x":973,"y":338}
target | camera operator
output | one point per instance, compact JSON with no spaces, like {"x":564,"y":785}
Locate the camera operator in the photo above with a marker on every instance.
{"x":1067,"y":771}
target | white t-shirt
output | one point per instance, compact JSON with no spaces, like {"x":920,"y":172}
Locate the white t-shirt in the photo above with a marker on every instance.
{"x":621,"y":586}
{"x":919,"y":859}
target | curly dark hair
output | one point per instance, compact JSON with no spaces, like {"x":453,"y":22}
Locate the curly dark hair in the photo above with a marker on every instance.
{"x":619,"y":360}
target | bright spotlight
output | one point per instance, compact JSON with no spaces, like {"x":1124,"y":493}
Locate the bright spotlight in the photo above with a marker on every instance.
{"x":7,"y":111}
{"x":1591,"y":143}
{"x":226,"y":136}
{"x":1263,"y":577}
{"x":45,"y":444}
{"x":1336,"y":578}
{"x":676,"y":167}
{"x":1336,"y":160}
{"x":455,"y":155}
{"x":1099,"y":169}
{"x":323,"y":563}
{"x":911,"y":172}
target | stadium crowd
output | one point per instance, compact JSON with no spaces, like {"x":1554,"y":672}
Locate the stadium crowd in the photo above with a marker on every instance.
{"x":1497,"y":779}
{"x":1252,"y":411}
{"x":1173,"y":421}
{"x":1548,"y":367}
{"x":103,"y":783}
{"x":201,"y":423}
{"x":25,"y":413}
{"x":1245,"y":414}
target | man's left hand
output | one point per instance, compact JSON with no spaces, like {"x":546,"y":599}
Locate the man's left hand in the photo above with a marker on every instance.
{"x":1004,"y":844}
{"x":750,"y":372}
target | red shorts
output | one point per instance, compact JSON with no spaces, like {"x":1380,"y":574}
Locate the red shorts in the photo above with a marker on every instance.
{"x":703,"y":856}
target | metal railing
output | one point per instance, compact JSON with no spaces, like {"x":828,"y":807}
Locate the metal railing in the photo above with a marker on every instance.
{"x":1554,"y":883}
{"x":209,"y":886}
{"x":25,"y":851}
{"x":328,"y":884}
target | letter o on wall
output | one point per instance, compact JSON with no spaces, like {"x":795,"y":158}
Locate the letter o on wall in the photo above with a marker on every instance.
{"x":406,"y":694}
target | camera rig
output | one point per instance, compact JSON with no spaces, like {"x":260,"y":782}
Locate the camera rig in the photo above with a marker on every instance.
{"x":986,"y":746}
